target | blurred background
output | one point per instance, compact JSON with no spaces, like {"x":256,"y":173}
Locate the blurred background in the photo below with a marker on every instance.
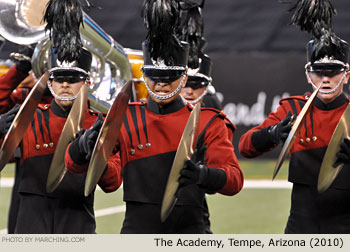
{"x":258,"y":58}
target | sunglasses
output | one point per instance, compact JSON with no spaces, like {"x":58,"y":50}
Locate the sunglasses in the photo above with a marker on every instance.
{"x":69,"y":79}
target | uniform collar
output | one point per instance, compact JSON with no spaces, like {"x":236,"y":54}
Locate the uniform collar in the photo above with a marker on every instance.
{"x":57,"y":110}
{"x":171,"y":107}
{"x":339,"y":101}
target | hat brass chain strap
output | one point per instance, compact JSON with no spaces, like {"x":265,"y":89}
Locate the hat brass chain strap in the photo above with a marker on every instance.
{"x":330,"y":91}
{"x":209,"y":79}
{"x":199,"y":97}
{"x":165,"y":97}
{"x":60,"y":98}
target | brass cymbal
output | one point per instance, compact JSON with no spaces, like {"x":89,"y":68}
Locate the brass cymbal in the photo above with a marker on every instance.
{"x":184,"y":152}
{"x":294,"y":131}
{"x":75,"y":122}
{"x":107,"y":138}
{"x":327,"y":172}
{"x":21,"y":121}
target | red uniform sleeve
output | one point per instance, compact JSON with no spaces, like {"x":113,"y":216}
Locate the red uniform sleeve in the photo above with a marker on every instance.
{"x":246,"y":147}
{"x":110,"y":180}
{"x":72,"y":166}
{"x":112,"y":177}
{"x":8,"y":83}
{"x":220,"y":154}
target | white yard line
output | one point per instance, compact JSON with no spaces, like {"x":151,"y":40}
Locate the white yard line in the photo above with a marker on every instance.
{"x":276,"y":184}
{"x":269,"y":184}
{"x":250,"y":183}
{"x":6,"y":182}
{"x":110,"y":211}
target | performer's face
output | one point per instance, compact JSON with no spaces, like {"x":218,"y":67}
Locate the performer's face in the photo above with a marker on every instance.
{"x":191,"y":94}
{"x":66,"y":87}
{"x":328,"y":83}
{"x":162,"y":89}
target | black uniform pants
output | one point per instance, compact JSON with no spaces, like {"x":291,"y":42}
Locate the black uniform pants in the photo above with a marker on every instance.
{"x":44,"y":215}
{"x":14,"y":203}
{"x":206,"y":217}
{"x":319,"y":213}
{"x":142,"y":218}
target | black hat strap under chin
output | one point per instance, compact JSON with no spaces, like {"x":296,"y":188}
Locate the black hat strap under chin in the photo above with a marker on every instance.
{"x":330,"y":91}
{"x":165,"y":97}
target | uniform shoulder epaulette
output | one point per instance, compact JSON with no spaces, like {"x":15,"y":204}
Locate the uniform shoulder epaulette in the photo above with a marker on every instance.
{"x":222,"y":114}
{"x":296,"y":97}
{"x":139,"y":103}
{"x":44,"y":106}
{"x":230,"y":124}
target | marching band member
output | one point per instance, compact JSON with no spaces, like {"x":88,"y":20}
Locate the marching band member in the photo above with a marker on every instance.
{"x":327,"y":65}
{"x":10,"y":95}
{"x":66,"y":210}
{"x":198,"y":87}
{"x":151,"y":133}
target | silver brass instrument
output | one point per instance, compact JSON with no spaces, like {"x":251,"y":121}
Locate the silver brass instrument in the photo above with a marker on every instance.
{"x":20,"y":23}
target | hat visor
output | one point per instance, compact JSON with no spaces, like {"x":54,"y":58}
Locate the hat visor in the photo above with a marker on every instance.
{"x":196,"y":82}
{"x":67,"y":73}
{"x":162,"y":73}
{"x":328,"y":63}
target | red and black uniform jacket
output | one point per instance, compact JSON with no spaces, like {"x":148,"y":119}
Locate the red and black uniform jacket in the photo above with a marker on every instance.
{"x":311,"y":143}
{"x":10,"y":94}
{"x":37,"y":149}
{"x":148,"y":142}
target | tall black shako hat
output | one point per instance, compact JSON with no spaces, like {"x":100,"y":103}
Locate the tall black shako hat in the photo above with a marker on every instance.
{"x":68,"y":57}
{"x":325,"y":50}
{"x":191,"y":30}
{"x":202,"y":74}
{"x":165,"y":55}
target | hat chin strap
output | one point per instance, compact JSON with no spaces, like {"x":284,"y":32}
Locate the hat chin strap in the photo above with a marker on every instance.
{"x":330,"y":91}
{"x":60,"y":98}
{"x":199,"y":98}
{"x":165,"y":97}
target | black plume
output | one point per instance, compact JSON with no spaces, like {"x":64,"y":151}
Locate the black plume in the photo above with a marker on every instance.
{"x":313,"y":16}
{"x":329,"y":44}
{"x":64,"y":18}
{"x":161,"y":18}
{"x":191,"y":30}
